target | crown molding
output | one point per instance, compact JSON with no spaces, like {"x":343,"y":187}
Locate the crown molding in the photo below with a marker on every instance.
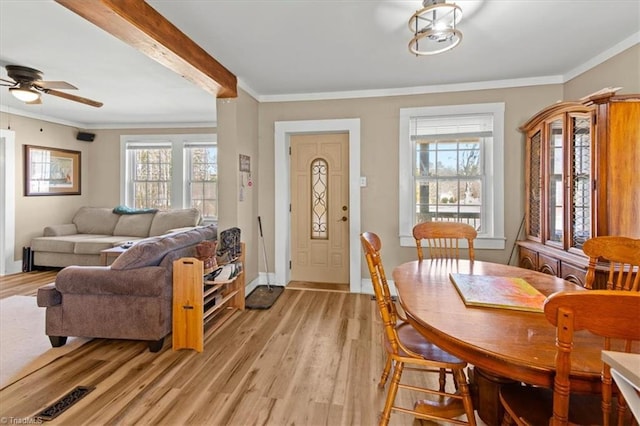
{"x":419,"y":90}
{"x":97,"y":126}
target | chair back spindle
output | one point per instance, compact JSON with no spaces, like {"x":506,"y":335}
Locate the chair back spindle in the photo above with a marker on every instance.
{"x":623,"y":257}
{"x":443,"y":239}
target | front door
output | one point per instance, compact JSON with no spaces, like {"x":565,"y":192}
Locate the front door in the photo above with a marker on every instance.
{"x":319,"y":207}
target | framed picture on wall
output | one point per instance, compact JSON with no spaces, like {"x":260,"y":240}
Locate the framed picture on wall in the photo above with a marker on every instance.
{"x":51,"y":171}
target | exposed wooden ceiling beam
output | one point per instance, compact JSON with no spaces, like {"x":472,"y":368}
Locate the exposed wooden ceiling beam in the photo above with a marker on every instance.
{"x":141,"y":26}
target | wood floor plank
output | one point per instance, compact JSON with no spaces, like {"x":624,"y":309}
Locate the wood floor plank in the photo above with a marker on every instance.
{"x":25,"y":284}
{"x":314,"y":358}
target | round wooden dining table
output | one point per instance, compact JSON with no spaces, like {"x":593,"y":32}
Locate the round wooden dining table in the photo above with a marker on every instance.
{"x":500,"y":343}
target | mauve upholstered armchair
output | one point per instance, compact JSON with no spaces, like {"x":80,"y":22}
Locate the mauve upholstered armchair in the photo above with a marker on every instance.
{"x":131,"y":299}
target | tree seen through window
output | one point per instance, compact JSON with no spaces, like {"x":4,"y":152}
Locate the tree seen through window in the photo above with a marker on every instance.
{"x":449,"y":180}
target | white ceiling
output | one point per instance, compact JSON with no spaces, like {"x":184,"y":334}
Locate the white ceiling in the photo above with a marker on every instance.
{"x":304,"y":49}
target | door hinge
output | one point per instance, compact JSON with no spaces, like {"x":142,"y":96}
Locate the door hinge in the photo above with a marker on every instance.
{"x":289,"y":264}
{"x":289,"y":151}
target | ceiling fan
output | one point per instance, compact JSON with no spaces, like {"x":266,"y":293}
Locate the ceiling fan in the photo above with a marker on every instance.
{"x":27,"y":85}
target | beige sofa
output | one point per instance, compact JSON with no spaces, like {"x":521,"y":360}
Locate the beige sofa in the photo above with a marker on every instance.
{"x":94,"y":229}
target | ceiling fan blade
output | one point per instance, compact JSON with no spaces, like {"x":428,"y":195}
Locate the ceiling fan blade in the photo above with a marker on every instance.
{"x":73,"y":98}
{"x":54,"y":85}
{"x":13,"y":83}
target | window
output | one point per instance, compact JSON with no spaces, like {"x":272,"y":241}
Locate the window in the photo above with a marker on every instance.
{"x":202,"y":164}
{"x":170,"y":172}
{"x":150,"y":176}
{"x":451,"y":169}
{"x":319,"y":199}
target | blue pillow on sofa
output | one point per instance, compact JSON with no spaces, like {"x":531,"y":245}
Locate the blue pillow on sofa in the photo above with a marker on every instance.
{"x":130,"y":210}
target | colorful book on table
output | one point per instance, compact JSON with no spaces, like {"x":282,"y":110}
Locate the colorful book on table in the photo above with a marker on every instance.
{"x":498,"y":292}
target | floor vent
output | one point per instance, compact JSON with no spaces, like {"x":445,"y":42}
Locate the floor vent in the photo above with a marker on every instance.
{"x":61,"y":405}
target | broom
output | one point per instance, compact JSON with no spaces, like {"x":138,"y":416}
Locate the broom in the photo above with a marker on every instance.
{"x":264,"y":254}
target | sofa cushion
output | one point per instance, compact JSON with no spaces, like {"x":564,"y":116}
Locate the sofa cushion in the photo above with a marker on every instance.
{"x":166,"y":220}
{"x":64,"y":244}
{"x":95,"y":220}
{"x":152,"y":251}
{"x":97,"y":244}
{"x":209,"y":232}
{"x":136,"y":225}
{"x":91,"y":246}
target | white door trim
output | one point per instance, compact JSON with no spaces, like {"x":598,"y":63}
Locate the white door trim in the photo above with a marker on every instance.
{"x":283,"y":130}
{"x":8,"y":202}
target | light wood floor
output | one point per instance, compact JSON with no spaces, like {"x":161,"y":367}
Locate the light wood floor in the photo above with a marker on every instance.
{"x":314,"y":358}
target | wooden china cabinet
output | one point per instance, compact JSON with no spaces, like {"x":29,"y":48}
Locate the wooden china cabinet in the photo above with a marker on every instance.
{"x":582,"y":179}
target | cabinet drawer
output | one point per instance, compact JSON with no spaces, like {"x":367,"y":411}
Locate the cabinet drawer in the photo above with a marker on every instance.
{"x":548,"y":265}
{"x":572,"y":273}
{"x":528,"y":259}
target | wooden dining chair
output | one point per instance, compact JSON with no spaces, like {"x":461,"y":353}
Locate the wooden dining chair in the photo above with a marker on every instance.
{"x":623,"y":257}
{"x":443,"y":239}
{"x":611,"y":314}
{"x":409,"y":350}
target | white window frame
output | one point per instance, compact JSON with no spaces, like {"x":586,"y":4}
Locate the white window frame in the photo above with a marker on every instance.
{"x":187,"y":176}
{"x":180,"y":196}
{"x":492,"y":236}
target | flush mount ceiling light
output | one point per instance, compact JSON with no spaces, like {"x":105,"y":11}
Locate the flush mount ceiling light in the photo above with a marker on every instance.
{"x":24,"y":93}
{"x":434,"y":28}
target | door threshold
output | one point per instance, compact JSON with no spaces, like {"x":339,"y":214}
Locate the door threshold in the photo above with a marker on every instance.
{"x":306,"y":285}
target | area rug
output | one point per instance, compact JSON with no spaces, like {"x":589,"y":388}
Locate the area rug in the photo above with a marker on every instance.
{"x":24,"y":347}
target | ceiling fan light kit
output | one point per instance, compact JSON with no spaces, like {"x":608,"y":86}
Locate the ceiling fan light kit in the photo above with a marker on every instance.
{"x":24,"y":94}
{"x":26,"y":85}
{"x":434,"y":28}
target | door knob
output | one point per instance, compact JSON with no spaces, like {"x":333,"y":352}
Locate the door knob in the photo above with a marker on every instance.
{"x":343,"y":219}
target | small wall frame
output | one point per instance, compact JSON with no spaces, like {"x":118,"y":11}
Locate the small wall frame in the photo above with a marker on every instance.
{"x":51,"y":171}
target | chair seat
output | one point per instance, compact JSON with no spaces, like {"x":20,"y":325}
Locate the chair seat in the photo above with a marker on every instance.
{"x":415,"y":342}
{"x":534,"y":405}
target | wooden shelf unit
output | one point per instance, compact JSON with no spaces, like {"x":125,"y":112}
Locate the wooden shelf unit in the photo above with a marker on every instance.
{"x":198,"y":303}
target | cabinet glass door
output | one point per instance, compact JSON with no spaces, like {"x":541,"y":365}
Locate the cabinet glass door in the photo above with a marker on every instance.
{"x":534,"y":158}
{"x":581,"y":203}
{"x":555,"y":208}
